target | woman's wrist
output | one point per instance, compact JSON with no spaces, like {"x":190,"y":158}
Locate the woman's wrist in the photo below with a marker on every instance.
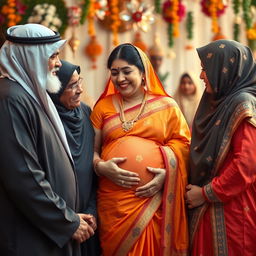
{"x":95,"y":165}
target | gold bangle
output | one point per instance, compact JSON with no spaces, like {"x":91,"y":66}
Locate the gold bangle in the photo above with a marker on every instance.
{"x":95,"y":163}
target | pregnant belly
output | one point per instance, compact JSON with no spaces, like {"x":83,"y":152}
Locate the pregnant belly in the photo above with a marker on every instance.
{"x":141,"y":153}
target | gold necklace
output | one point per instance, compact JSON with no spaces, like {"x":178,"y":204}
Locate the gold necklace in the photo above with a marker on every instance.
{"x":128,"y":125}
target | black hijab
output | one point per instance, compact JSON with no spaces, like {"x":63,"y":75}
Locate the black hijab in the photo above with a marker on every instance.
{"x":80,"y":136}
{"x":72,"y":119}
{"x":79,"y":132}
{"x":231,"y":71}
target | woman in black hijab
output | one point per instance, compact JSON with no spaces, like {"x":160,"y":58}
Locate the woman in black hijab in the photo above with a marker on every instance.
{"x":75,"y":116}
{"x":222,"y":192}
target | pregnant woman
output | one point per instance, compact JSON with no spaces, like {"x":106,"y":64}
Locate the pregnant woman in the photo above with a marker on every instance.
{"x":141,"y":152}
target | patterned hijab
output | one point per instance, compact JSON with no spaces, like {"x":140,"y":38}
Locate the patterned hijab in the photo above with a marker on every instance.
{"x":231,"y":71}
{"x":153,"y":84}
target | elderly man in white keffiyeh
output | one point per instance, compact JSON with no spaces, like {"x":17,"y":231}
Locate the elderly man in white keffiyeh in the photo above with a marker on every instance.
{"x":38,"y":188}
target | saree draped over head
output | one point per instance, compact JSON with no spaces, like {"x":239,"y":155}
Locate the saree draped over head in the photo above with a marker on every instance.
{"x":189,"y":103}
{"x":231,"y":70}
{"x":131,"y":225}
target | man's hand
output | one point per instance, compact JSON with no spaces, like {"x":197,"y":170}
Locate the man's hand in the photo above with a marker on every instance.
{"x":84,"y":231}
{"x":91,"y":220}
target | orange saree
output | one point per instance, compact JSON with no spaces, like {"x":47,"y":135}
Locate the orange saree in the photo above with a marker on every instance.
{"x":136,"y":226}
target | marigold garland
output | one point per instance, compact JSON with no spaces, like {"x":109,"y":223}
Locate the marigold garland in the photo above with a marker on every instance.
{"x":90,"y":17}
{"x":11,"y":12}
{"x":213,"y":8}
{"x":93,"y":50}
{"x":213,"y":12}
{"x":114,"y":15}
{"x":173,"y":12}
{"x":250,"y":30}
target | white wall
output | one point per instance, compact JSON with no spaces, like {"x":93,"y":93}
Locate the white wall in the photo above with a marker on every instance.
{"x":185,"y":59}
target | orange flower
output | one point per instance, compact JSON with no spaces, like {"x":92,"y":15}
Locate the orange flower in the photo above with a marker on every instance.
{"x":11,"y":16}
{"x":11,"y":23}
{"x":17,"y":19}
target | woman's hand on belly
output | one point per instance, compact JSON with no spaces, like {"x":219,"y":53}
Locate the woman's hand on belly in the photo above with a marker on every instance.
{"x":119,"y":176}
{"x":155,"y":185}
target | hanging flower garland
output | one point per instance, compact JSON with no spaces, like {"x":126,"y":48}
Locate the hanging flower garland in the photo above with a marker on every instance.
{"x":173,"y":12}
{"x":85,"y":8}
{"x":139,"y":14}
{"x":247,"y":7}
{"x":90,"y":18}
{"x":11,"y":12}
{"x":190,"y":25}
{"x":58,"y":16}
{"x":189,"y":28}
{"x":158,"y":6}
{"x":237,"y":22}
{"x":74,"y":16}
{"x":246,"y":4}
{"x":213,"y":9}
{"x":93,"y":49}
{"x":106,"y":16}
{"x":114,"y":16}
{"x":251,"y":33}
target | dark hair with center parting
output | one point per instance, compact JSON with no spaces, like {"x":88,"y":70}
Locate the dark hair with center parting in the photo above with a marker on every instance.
{"x":128,"y":53}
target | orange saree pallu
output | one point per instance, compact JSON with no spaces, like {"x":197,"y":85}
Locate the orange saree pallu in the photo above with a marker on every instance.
{"x":135,"y":226}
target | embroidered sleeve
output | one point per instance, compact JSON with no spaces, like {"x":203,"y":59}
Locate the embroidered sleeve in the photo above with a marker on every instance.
{"x":209,"y":194}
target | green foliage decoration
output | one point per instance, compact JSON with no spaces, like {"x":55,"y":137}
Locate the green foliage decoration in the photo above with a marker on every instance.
{"x":158,"y":6}
{"x":190,"y":25}
{"x":170,"y":35}
{"x":236,"y":25}
{"x":246,"y":13}
{"x":85,"y":8}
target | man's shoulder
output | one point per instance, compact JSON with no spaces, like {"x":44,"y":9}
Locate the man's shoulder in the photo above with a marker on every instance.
{"x":10,"y":89}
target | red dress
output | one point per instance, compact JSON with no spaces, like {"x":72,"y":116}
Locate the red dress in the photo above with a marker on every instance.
{"x":235,"y":190}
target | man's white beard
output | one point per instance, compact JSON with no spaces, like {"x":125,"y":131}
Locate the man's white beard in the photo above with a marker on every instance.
{"x":53,"y":83}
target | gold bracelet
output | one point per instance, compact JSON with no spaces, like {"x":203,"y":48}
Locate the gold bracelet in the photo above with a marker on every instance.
{"x":95,"y":163}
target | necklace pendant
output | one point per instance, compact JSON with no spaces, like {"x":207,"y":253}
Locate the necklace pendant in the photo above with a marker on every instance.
{"x":127,"y":125}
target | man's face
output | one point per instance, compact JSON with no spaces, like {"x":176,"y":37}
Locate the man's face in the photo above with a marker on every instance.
{"x":53,"y":83}
{"x":156,"y":62}
{"x":54,"y":63}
